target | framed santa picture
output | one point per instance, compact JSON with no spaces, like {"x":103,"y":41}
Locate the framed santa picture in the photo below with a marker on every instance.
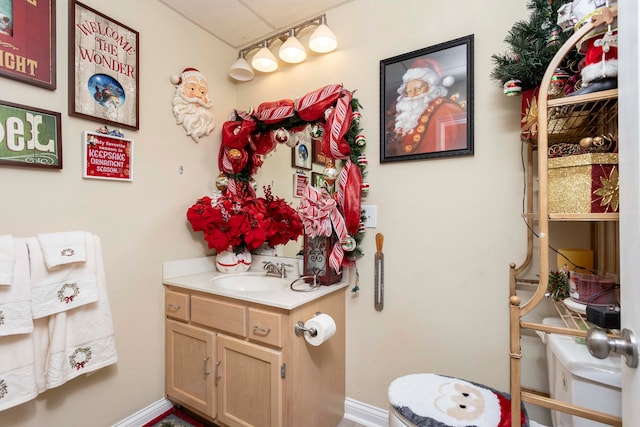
{"x":426,"y":102}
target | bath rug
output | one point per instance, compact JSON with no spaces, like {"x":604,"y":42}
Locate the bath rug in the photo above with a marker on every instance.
{"x":176,"y":417}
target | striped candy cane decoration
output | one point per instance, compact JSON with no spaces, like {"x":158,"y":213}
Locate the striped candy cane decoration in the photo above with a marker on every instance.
{"x":318,"y":98}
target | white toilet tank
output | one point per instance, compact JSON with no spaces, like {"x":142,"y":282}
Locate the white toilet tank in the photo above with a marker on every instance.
{"x":577,"y":377}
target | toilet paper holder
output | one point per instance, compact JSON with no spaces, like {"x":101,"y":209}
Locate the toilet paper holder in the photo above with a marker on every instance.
{"x":301,"y":329}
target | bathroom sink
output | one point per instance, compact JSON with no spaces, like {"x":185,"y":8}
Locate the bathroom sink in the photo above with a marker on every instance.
{"x":250,"y":282}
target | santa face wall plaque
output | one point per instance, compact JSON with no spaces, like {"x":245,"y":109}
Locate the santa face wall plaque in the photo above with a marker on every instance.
{"x":426,"y":101}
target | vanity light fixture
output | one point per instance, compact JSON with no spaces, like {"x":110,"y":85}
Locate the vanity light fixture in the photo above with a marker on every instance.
{"x":264,"y":60}
{"x":241,"y":70}
{"x":322,"y":40}
{"x":292,"y":50}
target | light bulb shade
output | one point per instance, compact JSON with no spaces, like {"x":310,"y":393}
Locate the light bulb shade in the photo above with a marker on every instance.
{"x":241,"y":70}
{"x":264,"y":61}
{"x":323,"y":40}
{"x":292,"y":51}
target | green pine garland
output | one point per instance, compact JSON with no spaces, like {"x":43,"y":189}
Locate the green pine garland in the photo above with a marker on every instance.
{"x":532,"y":47}
{"x":355,"y":152}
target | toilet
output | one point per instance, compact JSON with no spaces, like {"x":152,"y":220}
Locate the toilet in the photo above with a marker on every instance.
{"x":577,"y":377}
{"x":432,"y":399}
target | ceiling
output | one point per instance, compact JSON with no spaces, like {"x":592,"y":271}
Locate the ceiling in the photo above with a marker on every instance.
{"x":240,"y":23}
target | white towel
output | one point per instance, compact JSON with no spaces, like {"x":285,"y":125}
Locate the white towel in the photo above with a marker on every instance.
{"x":7,"y":258}
{"x":15,"y":300}
{"x":71,"y":286}
{"x":17,"y":371}
{"x":63,"y":248}
{"x":82,"y":339}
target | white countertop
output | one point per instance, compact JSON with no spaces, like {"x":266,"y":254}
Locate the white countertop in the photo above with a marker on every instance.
{"x":198,"y":274}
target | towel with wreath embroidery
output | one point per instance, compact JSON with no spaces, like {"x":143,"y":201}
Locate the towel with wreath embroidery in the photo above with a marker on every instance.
{"x":82,"y":339}
{"x":69,"y":286}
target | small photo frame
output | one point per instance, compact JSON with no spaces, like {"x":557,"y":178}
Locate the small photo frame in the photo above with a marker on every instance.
{"x":107,"y":157}
{"x":426,"y":102}
{"x":301,"y":155}
{"x":318,"y":181}
{"x":318,"y":157}
{"x":300,"y":181}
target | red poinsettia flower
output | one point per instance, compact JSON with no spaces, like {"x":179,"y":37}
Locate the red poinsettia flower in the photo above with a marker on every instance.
{"x":244,"y":222}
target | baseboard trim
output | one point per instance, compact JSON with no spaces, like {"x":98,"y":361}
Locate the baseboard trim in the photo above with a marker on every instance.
{"x":145,"y":415}
{"x":365,"y":414}
{"x":361,"y":413}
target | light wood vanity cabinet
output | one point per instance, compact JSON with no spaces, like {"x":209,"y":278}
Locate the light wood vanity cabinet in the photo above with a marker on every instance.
{"x":240,"y":363}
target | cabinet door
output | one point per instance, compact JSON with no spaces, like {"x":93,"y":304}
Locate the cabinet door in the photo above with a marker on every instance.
{"x":189,"y":360}
{"x":249,"y":384}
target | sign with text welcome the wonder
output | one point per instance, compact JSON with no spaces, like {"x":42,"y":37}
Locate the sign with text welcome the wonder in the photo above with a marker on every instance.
{"x":103,"y":68}
{"x":30,"y":137}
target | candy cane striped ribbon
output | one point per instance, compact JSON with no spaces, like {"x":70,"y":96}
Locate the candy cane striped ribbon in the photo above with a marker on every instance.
{"x":320,"y":216}
{"x":316,"y":97}
{"x":276,"y":114}
{"x":338,"y":124}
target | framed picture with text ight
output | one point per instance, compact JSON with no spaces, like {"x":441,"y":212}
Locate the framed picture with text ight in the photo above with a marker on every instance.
{"x":104,"y":68}
{"x":28,"y":41}
{"x":426,"y":102}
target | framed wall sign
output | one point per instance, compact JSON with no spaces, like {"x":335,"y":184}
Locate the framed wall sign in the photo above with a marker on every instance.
{"x":103,"y":68}
{"x":300,"y":181}
{"x":107,"y":157}
{"x":426,"y":102}
{"x":301,"y":155}
{"x":30,"y":137}
{"x":318,"y":157}
{"x":28,"y":41}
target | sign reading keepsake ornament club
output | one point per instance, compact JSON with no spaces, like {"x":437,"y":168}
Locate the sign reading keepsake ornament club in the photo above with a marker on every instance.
{"x":29,"y":137}
{"x":107,"y":157}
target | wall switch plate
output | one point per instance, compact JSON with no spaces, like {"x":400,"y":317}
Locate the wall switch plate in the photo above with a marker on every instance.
{"x":371,"y":213}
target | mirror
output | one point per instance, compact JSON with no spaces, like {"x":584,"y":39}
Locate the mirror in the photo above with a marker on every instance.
{"x":258,"y":155}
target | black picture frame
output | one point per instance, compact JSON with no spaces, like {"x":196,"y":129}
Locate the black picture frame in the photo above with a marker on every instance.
{"x":441,"y":127}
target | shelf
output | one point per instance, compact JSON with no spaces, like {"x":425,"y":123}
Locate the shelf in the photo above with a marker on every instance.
{"x":585,"y":217}
{"x":561,"y":217}
{"x":586,"y":98}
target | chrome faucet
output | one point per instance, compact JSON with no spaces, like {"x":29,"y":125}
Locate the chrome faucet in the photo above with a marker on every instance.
{"x":276,"y":269}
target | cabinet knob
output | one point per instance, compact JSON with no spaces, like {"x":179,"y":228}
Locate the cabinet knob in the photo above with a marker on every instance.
{"x":173,"y":307}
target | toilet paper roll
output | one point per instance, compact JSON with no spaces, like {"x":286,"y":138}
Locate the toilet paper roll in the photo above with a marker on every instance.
{"x":325,"y":328}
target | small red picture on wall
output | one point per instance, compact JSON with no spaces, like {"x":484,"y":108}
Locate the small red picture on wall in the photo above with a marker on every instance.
{"x":107,"y":157}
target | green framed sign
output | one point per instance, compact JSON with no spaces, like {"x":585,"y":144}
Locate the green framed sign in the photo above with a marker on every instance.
{"x":30,"y":137}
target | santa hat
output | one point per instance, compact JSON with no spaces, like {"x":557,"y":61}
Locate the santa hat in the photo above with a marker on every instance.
{"x":599,"y":62}
{"x":186,"y":74}
{"x":428,"y":70}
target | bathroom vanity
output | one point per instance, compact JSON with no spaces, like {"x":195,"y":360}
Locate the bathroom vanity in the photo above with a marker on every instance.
{"x":232,"y":354}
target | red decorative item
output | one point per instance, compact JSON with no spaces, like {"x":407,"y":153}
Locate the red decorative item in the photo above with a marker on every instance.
{"x":529,"y":115}
{"x":243,"y":221}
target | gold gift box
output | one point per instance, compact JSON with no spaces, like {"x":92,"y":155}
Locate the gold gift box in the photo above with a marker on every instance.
{"x":584,"y":183}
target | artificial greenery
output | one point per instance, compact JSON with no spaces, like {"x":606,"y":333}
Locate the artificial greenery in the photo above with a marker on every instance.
{"x":558,"y":285}
{"x":532,"y":46}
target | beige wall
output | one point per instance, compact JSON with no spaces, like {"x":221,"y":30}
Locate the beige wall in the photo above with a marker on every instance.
{"x":451,"y":226}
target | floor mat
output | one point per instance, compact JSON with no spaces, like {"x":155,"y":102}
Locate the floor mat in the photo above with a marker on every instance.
{"x":175,"y":417}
